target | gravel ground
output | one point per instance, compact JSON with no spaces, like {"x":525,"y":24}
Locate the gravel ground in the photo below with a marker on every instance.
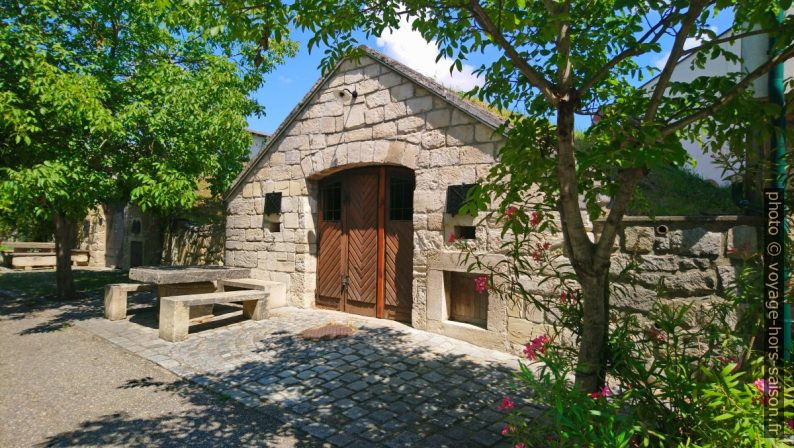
{"x":61,"y":386}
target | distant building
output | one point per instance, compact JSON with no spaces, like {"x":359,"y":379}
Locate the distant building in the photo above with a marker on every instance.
{"x":123,"y":236}
{"x":752,"y":52}
{"x":260,"y":138}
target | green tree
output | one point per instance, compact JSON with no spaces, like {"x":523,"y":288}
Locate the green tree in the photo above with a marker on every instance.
{"x":120,"y":100}
{"x":555,"y":59}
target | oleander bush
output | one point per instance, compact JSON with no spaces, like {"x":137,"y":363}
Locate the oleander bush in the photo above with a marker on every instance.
{"x":681,"y":375}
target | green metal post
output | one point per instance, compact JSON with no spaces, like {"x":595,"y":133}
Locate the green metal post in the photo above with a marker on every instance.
{"x":778,"y":153}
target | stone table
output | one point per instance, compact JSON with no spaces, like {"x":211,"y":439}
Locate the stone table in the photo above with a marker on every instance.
{"x":182,"y":280}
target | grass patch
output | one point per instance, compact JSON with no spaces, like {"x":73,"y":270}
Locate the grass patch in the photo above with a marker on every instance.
{"x":42,"y":283}
{"x":674,"y":191}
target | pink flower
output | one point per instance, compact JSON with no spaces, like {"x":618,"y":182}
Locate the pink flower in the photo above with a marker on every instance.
{"x":536,"y":346}
{"x":602,"y":393}
{"x":790,"y":424}
{"x":535,"y":218}
{"x":510,"y":211}
{"x":506,"y":430}
{"x":506,"y":404}
{"x":451,"y":238}
{"x":764,"y":386}
{"x":546,"y":245}
{"x":481,"y":284}
{"x":563,"y":297}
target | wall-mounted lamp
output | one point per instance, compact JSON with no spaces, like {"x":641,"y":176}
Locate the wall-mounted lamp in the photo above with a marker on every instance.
{"x":353,"y":93}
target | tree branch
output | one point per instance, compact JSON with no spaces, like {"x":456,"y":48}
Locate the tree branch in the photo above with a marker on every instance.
{"x":711,"y":43}
{"x":625,"y":54}
{"x":536,"y":79}
{"x":690,"y":17}
{"x":565,"y":68}
{"x":742,"y":85}
{"x":629,"y":179}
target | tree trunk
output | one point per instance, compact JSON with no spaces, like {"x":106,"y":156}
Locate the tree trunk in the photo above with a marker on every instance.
{"x":63,"y":256}
{"x":591,"y":366}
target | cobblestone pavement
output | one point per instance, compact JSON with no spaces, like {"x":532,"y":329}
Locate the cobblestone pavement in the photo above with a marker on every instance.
{"x":387,"y":385}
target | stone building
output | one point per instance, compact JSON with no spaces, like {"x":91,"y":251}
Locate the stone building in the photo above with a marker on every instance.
{"x":351,"y":204}
{"x":347,"y":203}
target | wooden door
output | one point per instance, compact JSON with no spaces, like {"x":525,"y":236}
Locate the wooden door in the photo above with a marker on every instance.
{"x":467,"y":305}
{"x":365,"y":254}
{"x":399,"y":245}
{"x":361,"y":227}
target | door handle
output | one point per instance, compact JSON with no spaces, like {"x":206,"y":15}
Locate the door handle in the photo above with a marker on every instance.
{"x":345,"y":280}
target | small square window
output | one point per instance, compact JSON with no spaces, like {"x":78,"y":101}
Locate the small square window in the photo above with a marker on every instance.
{"x":456,"y":197}
{"x":465,"y":232}
{"x":272,"y":203}
{"x":274,"y":227}
{"x":401,"y":199}
{"x":332,"y":202}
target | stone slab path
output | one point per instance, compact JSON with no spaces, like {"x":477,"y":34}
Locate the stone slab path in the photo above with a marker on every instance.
{"x":386,"y":385}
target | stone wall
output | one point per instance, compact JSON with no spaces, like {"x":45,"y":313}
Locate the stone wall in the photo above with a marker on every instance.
{"x":393,"y":121}
{"x":109,"y":231}
{"x":695,"y":258}
{"x":185,"y":243}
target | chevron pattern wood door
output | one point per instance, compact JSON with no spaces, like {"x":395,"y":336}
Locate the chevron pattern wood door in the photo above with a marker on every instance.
{"x":399,"y":246}
{"x":361,"y":221}
{"x":352,"y":274}
{"x":331,"y":257}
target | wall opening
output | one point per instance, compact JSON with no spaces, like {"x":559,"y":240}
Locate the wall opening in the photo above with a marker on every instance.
{"x":136,"y":253}
{"x":465,"y":232}
{"x":465,"y":304}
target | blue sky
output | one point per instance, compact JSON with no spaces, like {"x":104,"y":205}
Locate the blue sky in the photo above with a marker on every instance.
{"x":286,"y":85}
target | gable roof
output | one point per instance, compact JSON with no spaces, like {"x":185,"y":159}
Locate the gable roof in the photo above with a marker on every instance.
{"x":475,"y":111}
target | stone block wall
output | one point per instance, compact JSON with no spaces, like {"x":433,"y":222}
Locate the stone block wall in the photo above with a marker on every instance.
{"x":188,"y":244}
{"x":696,"y":259}
{"x":108,"y":231}
{"x":392,"y":121}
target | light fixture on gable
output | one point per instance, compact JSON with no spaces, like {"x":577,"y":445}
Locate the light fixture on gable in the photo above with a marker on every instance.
{"x":353,"y":93}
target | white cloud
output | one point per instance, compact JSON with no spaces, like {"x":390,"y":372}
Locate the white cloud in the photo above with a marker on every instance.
{"x":409,"y":47}
{"x":690,"y":42}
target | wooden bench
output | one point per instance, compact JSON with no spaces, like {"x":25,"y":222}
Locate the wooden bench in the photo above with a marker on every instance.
{"x":175,"y":310}
{"x":116,"y":298}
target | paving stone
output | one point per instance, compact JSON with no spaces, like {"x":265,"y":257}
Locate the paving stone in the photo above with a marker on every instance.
{"x":382,"y":416}
{"x":318,"y":430}
{"x":358,"y":385}
{"x":381,"y":387}
{"x":355,"y":412}
{"x":341,"y":392}
{"x":342,"y":440}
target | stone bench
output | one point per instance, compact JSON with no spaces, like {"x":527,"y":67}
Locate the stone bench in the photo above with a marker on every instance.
{"x":30,"y":260}
{"x":175,"y":310}
{"x":276,"y":291}
{"x":116,"y":298}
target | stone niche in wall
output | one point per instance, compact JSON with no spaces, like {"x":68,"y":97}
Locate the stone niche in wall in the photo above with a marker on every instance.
{"x":455,"y":309}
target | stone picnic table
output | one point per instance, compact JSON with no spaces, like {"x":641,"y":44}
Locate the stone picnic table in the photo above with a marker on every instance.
{"x":184,"y":280}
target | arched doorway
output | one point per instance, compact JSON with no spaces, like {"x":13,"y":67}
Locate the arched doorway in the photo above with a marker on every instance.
{"x":365,"y":255}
